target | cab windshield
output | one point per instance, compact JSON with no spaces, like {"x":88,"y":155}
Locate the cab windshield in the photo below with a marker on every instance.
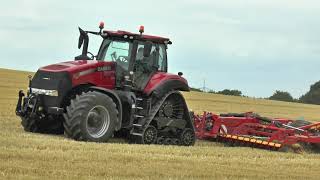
{"x":116,"y":51}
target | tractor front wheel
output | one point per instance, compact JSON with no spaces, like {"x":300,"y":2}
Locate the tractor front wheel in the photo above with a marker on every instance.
{"x":45,"y":125}
{"x":91,"y":116}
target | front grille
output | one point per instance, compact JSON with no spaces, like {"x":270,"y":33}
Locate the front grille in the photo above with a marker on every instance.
{"x":60,"y":81}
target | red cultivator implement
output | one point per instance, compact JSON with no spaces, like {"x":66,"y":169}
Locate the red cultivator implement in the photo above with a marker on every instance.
{"x":250,"y":129}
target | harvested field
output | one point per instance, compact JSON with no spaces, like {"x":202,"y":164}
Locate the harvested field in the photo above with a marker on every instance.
{"x":36,"y":156}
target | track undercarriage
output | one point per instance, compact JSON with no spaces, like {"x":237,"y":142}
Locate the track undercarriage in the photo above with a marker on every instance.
{"x":166,"y":122}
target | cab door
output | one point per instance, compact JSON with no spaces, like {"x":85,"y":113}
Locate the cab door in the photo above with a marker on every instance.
{"x":149,"y":63}
{"x":118,"y":52}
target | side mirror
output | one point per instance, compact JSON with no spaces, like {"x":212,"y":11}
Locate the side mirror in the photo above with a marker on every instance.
{"x":83,"y":40}
{"x":147,"y":49}
{"x":81,"y":37}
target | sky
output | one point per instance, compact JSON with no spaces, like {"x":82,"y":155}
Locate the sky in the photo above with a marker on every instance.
{"x":253,"y":46}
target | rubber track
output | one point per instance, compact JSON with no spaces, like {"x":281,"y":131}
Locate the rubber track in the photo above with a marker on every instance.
{"x":154,"y":111}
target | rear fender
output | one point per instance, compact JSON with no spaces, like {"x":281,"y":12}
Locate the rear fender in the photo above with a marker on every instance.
{"x":167,"y":86}
{"x":161,"y":83}
{"x":115,"y":98}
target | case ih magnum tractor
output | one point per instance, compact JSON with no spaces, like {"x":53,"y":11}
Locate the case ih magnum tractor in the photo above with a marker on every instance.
{"x":125,"y":89}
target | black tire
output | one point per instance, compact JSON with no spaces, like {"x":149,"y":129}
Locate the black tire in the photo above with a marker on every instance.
{"x":187,"y":137}
{"x":46,"y":125}
{"x":91,"y":109}
{"x":29,"y":124}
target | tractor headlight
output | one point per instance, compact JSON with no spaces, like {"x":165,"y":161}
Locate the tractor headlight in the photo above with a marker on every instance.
{"x":44,"y":92}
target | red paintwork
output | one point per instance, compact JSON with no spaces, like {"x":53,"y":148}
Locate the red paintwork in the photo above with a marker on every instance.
{"x":105,"y":79}
{"x":74,"y":66}
{"x":159,"y":78}
{"x":250,"y":125}
{"x":119,"y":33}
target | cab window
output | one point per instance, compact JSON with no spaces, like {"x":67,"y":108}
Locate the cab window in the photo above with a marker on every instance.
{"x":157,"y":58}
{"x":162,"y":62}
{"x":118,"y":51}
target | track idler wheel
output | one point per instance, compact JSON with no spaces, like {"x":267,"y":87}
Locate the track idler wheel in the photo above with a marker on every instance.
{"x":175,"y":142}
{"x":167,"y":141}
{"x":160,"y":140}
{"x":150,"y":136}
{"x":187,"y":137}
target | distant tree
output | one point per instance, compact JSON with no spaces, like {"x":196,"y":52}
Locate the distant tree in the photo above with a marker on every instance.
{"x":282,"y":96}
{"x":230,"y":92}
{"x":313,"y":95}
{"x":195,"y":89}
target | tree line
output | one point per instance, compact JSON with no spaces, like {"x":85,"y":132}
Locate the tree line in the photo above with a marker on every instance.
{"x":229,"y":92}
{"x":311,"y":97}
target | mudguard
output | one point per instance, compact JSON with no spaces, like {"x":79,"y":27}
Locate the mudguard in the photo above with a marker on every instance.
{"x":161,"y":83}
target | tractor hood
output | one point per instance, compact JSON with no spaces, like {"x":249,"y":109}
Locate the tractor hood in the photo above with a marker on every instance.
{"x":75,"y":66}
{"x":63,"y":76}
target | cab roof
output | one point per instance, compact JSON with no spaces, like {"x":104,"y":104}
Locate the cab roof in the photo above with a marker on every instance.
{"x":130,"y":35}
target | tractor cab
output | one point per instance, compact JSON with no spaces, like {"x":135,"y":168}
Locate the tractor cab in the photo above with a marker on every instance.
{"x":137,"y":56}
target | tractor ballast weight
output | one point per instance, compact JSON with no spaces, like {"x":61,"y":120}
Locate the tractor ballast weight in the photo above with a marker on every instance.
{"x":124,"y":88}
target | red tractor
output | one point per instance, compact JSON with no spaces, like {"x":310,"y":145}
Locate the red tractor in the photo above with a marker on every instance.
{"x":124,"y":89}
